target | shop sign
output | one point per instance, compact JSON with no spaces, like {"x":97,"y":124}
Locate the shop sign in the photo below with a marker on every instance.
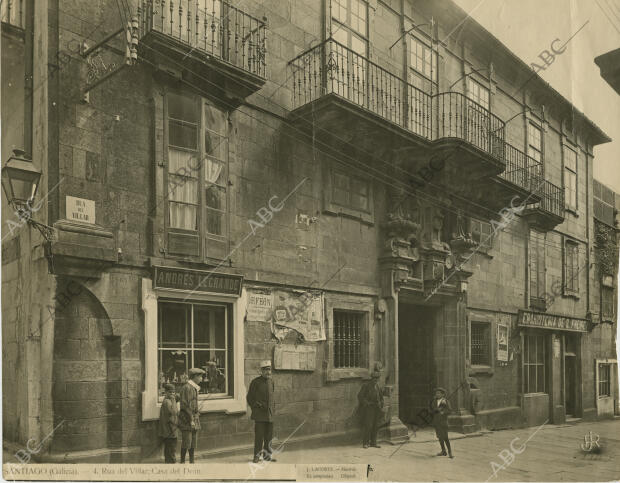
{"x":197,"y":281}
{"x":548,"y":321}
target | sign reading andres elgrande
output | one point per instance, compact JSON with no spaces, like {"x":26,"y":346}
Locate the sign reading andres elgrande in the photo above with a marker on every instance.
{"x":197,"y":281}
{"x":549,"y":321}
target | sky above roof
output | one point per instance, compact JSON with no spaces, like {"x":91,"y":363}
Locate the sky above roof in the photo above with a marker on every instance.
{"x":528,"y":27}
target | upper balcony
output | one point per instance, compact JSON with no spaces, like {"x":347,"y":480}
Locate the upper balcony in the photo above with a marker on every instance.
{"x":350,"y":101}
{"x":359,"y":107}
{"x":211,"y":42}
{"x":549,"y":211}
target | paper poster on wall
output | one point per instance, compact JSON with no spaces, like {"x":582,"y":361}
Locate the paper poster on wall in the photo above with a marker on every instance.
{"x":502,"y":342}
{"x":300,"y":311}
{"x":294,"y":357}
{"x":260,"y":305}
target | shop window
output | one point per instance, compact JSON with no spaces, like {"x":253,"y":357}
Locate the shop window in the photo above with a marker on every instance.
{"x":570,"y":179}
{"x":197,"y":177}
{"x":195,"y":335}
{"x":604,"y":380}
{"x":534,"y":377}
{"x":571,"y":267}
{"x":537,"y":270}
{"x":480,"y":343}
{"x":348,"y":338}
{"x":607,"y":303}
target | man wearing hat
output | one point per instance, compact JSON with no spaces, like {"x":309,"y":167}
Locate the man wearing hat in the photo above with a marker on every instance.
{"x":168,"y":421}
{"x":260,"y":399}
{"x":189,"y":417}
{"x":370,"y":399}
{"x":440,"y":408}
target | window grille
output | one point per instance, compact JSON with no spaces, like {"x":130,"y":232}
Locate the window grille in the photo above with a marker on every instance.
{"x":348,"y":328}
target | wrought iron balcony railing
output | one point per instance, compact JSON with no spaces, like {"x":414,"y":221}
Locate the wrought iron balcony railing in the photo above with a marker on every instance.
{"x":12,"y":12}
{"x":212,"y":27}
{"x":522,"y":170}
{"x":332,"y":68}
{"x":552,"y":201}
{"x":460,"y":117}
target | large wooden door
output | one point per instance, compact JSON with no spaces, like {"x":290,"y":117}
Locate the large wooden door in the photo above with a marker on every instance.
{"x":416,"y":365}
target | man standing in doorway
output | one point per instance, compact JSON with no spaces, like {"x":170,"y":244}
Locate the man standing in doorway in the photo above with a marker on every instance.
{"x":440,"y":408}
{"x":370,"y":399}
{"x":260,"y":399}
{"x":189,"y":417}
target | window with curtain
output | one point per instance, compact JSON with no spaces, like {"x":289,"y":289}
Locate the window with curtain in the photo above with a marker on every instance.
{"x":534,"y":364}
{"x":537,"y":269}
{"x":195,"y":335}
{"x":571,"y":267}
{"x":534,"y":142}
{"x":570,"y":178}
{"x":197,"y":177}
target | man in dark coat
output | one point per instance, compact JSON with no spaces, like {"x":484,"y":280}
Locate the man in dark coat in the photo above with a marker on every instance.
{"x":260,"y":399}
{"x":189,"y":417}
{"x":168,"y":421}
{"x":370,"y":399}
{"x":440,"y":408}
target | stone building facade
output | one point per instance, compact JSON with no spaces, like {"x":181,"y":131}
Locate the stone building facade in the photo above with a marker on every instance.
{"x":336,"y":185}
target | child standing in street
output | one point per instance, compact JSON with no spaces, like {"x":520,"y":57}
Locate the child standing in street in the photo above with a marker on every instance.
{"x":440,"y":408}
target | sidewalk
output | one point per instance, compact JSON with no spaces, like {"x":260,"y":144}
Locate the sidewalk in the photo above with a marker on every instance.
{"x":551,"y":454}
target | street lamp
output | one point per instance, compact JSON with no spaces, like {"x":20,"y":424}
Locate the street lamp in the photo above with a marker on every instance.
{"x":20,"y":182}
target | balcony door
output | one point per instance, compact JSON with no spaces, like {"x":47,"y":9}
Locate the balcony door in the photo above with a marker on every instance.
{"x":348,"y":55}
{"x":477,"y":117}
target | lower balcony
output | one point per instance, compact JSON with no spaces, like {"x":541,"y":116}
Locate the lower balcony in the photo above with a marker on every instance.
{"x":212,"y":43}
{"x":470,"y":134}
{"x":518,"y":184}
{"x":549,"y":211}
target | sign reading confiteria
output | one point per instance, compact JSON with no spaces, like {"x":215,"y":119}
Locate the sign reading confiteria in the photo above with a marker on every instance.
{"x":548,"y":321}
{"x":197,"y":281}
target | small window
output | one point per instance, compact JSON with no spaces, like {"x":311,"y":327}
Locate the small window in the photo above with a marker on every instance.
{"x":480,"y":344}
{"x":482,"y":233}
{"x":604,"y":380}
{"x":350,"y":191}
{"x":607,"y":303}
{"x":348,"y":338}
{"x":570,"y":178}
{"x":478,"y":93}
{"x":534,"y":142}
{"x":534,"y":364}
{"x":195,"y":335}
{"x":571,"y":267}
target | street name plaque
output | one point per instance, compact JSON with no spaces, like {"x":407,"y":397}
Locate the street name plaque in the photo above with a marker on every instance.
{"x":548,"y":321}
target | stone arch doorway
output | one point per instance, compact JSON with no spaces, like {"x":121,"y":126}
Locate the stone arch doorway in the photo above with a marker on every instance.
{"x":87,"y":380}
